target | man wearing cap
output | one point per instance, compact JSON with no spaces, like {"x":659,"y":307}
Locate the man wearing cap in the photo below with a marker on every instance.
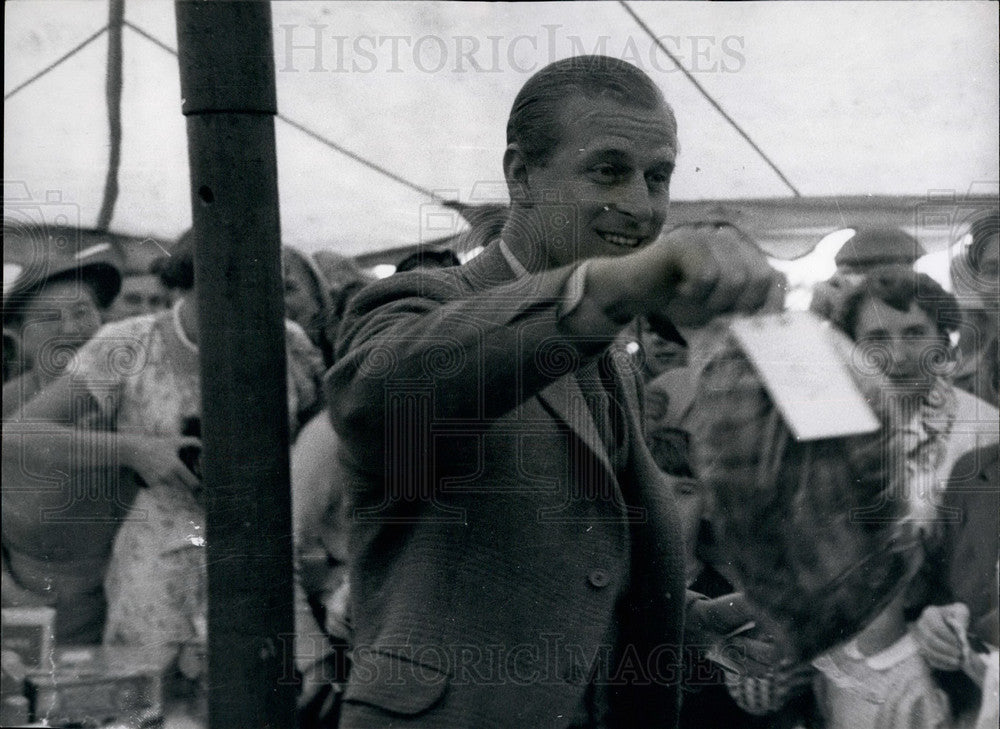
{"x":877,"y":246}
{"x":516,"y":556}
{"x":869,"y":248}
{"x":142,"y":293}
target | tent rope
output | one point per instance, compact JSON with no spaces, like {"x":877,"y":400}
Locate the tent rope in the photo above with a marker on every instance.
{"x":361,"y":160}
{"x":76,"y":49}
{"x":113,"y":91}
{"x":114,"y":109}
{"x":315,"y":135}
{"x":708,"y":97}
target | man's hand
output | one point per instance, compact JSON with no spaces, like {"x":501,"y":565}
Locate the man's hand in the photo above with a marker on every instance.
{"x":691,"y":274}
{"x":718,"y":271}
{"x":730,"y":624}
{"x":717,"y":622}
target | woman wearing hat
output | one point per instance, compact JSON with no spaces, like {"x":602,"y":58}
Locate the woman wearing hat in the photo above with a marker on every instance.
{"x":140,"y":377}
{"x":53,"y":546}
{"x":53,"y":305}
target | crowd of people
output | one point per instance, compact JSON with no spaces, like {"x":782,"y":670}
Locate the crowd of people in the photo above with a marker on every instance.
{"x":543,"y":488}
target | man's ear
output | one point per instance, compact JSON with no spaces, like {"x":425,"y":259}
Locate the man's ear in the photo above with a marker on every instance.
{"x":515,"y":171}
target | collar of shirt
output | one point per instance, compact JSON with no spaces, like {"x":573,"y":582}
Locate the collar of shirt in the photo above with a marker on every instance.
{"x":515,"y":265}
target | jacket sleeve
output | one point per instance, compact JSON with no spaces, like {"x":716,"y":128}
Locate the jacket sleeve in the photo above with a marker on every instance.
{"x":477,"y":350}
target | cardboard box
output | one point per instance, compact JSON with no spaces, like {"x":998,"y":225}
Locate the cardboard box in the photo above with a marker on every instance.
{"x":95,"y":685}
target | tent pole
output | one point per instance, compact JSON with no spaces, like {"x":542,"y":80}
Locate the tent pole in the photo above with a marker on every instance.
{"x":229,"y":99}
{"x":113,"y":93}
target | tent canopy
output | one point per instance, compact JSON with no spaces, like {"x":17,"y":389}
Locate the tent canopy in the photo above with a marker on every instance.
{"x":855,"y":103}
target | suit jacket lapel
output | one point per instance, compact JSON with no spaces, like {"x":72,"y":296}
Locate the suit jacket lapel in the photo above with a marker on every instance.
{"x":563,"y":397}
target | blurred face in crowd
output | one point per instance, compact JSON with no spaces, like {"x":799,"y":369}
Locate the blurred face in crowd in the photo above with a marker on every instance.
{"x":57,"y":320}
{"x":141,"y":294}
{"x":301,"y":302}
{"x":905,"y":345}
{"x":605,"y":189}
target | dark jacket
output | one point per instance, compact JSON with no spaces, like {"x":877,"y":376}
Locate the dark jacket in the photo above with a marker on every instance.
{"x":501,"y":539}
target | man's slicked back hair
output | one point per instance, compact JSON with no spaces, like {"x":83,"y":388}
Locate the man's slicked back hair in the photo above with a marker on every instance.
{"x":534,"y":118}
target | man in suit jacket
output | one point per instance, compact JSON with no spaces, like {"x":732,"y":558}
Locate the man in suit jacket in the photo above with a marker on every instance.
{"x":515,"y":556}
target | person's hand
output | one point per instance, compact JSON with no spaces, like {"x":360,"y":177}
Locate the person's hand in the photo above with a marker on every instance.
{"x":713,"y":269}
{"x":740,"y":636}
{"x":717,"y":622}
{"x":941,"y":633}
{"x":156,"y":459}
{"x":767,"y":693}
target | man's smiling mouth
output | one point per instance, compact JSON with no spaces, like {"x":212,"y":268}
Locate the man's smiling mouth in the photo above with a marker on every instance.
{"x":621,"y":240}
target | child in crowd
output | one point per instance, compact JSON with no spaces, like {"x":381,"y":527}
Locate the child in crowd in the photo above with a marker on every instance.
{"x":879,"y":678}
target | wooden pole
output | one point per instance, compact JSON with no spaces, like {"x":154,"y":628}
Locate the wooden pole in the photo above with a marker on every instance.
{"x":113,"y":93}
{"x":229,"y":99}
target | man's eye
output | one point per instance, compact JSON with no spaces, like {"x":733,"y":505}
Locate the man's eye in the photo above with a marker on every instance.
{"x":658,"y":179}
{"x":606,"y":173}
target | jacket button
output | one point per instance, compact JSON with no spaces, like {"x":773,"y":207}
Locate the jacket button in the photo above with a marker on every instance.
{"x":599,"y":578}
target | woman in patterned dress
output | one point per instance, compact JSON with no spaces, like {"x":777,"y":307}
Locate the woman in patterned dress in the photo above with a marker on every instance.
{"x":140,"y":376}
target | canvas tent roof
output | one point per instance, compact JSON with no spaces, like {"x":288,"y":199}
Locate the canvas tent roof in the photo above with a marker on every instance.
{"x":868,"y":108}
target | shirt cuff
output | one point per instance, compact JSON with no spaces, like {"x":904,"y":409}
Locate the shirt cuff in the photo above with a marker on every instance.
{"x":590,"y":318}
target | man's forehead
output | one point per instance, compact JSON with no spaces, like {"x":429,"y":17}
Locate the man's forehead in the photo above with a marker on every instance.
{"x":598,"y":124}
{"x":666,"y":147}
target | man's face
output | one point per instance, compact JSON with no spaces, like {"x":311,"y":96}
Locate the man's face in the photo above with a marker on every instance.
{"x":905,"y":345}
{"x":60,"y":318}
{"x":606,"y":187}
{"x":142,"y":294}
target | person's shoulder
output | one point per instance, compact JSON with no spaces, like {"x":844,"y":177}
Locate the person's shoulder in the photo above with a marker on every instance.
{"x":18,"y":391}
{"x":982,"y":460}
{"x":118,"y":342}
{"x":134,"y":327}
{"x":970,"y":408}
{"x":295,"y":334}
{"x":424,"y":283}
{"x":298,"y":343}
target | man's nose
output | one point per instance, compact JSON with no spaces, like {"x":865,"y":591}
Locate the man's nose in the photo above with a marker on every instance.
{"x":635,"y":199}
{"x":904,"y":358}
